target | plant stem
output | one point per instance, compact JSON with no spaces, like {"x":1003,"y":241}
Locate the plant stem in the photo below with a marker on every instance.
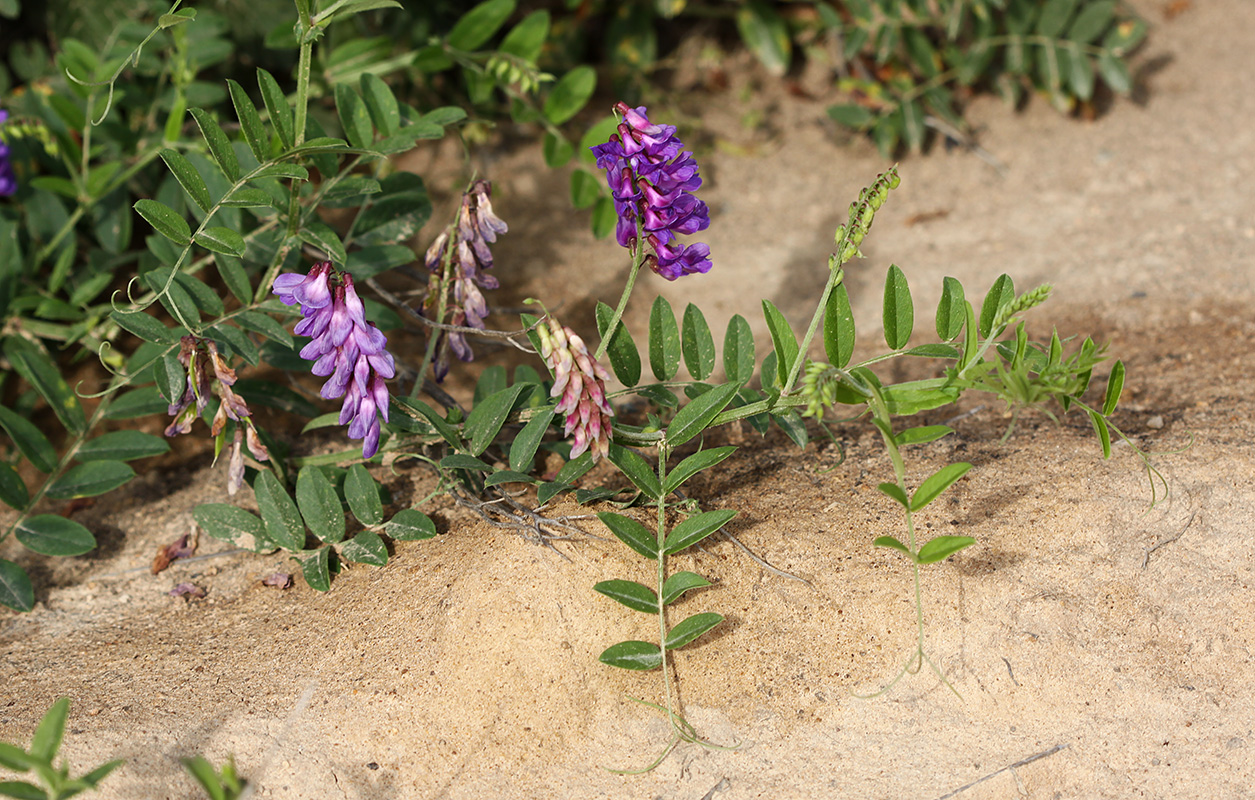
{"x":835,"y":275}
{"x":638,"y":258}
{"x":663,"y":452}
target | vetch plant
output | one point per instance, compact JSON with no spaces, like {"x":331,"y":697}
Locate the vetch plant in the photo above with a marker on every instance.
{"x":233,"y":192}
{"x":249,"y":204}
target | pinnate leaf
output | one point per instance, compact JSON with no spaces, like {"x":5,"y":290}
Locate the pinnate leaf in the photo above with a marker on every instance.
{"x":631,"y":533}
{"x":30,"y":441}
{"x":362,"y":493}
{"x":632,"y":655}
{"x":278,"y":107}
{"x":570,"y":94}
{"x":899,"y":310}
{"x":839,"y":330}
{"x":637,"y":470}
{"x":943,"y":547}
{"x":1115,"y":385}
{"x":279,"y":513}
{"x":410,"y":525}
{"x":624,"y":358}
{"x":90,"y":479}
{"x":698,"y":345}
{"x":39,"y":370}
{"x":950,"y":313}
{"x":16,"y":593}
{"x":782,"y":339}
{"x":680,"y":583}
{"x":690,"y":629}
{"x":893,"y":544}
{"x":165,"y":221}
{"x":188,"y":177}
{"x":320,"y":505}
{"x":366,"y":548}
{"x":664,"y":340}
{"x":219,"y":144}
{"x":631,"y":594}
{"x":999,"y":295}
{"x":696,"y":528}
{"x":937,"y":483}
{"x":694,"y":417}
{"x":54,"y":535}
{"x":694,"y":464}
{"x":234,"y":525}
{"x":125,"y":445}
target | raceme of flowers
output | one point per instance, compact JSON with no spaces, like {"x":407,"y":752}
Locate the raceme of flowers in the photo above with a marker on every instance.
{"x":8,"y":181}
{"x":477,"y":227}
{"x":345,"y":347}
{"x":579,"y":382}
{"x":652,"y":179}
{"x":200,"y":356}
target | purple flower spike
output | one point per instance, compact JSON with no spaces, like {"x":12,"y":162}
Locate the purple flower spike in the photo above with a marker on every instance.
{"x":8,"y":180}
{"x":651,"y":178}
{"x":344,"y":346}
{"x":476,"y":227}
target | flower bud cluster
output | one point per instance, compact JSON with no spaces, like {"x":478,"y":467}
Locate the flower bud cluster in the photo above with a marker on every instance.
{"x":345,"y":348}
{"x":862,"y":212}
{"x":200,"y":357}
{"x":1020,"y":304}
{"x":477,"y":226}
{"x":579,"y":382}
{"x":652,"y":179}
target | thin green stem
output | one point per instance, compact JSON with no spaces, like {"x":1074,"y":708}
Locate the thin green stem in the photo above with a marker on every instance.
{"x":68,"y":226}
{"x":663,"y":452}
{"x":638,"y":258}
{"x":835,"y":274}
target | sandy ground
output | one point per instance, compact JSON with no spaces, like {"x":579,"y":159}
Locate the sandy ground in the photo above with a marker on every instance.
{"x":1113,"y":638}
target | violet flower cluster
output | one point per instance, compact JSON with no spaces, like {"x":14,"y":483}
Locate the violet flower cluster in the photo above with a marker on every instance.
{"x":8,"y":180}
{"x":652,"y":179}
{"x":200,"y":357}
{"x":477,"y":227}
{"x":580,"y":383}
{"x":345,"y":347}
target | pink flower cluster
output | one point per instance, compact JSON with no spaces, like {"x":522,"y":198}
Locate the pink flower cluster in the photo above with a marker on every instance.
{"x":579,"y":382}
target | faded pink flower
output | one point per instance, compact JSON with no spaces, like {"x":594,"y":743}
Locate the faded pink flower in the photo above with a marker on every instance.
{"x":579,"y":383}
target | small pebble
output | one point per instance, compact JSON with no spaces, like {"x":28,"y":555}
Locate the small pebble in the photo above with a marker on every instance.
{"x":1155,"y":422}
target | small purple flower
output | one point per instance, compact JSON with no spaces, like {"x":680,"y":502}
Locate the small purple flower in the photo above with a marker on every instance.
{"x":652,"y":178}
{"x":477,"y":226}
{"x":346,"y":349}
{"x":8,"y":180}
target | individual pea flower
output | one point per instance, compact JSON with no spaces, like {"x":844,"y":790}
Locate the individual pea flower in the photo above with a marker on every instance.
{"x":344,"y":347}
{"x":652,"y":179}
{"x":579,"y":383}
{"x":8,"y":180}
{"x":476,"y":227}
{"x":201,"y":357}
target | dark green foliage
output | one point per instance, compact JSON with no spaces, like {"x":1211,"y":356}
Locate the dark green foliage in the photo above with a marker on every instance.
{"x":1061,"y":48}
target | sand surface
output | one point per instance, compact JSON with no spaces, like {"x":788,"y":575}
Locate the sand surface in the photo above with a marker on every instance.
{"x":1113,"y":638}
